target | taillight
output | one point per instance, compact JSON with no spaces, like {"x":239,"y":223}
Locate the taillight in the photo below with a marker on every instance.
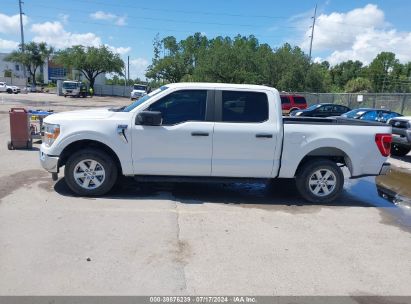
{"x":383,"y":142}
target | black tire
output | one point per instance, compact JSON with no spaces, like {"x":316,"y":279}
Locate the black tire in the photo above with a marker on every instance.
{"x":398,"y":150}
{"x":10,"y":145}
{"x":306,"y":172}
{"x":106,"y":161}
{"x":10,"y":91}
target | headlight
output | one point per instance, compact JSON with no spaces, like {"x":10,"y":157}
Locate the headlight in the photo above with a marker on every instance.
{"x":298,"y":113}
{"x":51,"y":132}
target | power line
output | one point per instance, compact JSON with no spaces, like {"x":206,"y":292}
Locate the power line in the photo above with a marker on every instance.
{"x":161,"y":19}
{"x":180,"y":11}
{"x":150,"y":29}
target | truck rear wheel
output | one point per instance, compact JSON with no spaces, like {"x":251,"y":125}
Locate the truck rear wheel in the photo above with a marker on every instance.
{"x":320,"y":181}
{"x":90,"y":172}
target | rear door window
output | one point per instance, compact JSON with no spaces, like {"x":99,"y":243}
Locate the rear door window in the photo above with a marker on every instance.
{"x":244,"y":106}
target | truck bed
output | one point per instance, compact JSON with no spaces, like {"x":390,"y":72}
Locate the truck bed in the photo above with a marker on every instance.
{"x":331,"y":121}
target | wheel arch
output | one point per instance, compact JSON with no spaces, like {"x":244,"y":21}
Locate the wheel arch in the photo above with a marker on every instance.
{"x":84,"y":144}
{"x":332,"y":153}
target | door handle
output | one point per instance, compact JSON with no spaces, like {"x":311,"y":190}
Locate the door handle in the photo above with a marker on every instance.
{"x":199,"y":134}
{"x":261,"y":135}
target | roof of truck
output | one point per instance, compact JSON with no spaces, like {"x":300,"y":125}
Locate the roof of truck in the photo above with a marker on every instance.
{"x":218,"y":85}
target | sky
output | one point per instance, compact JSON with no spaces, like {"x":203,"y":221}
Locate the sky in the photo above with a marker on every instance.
{"x":345,"y":29}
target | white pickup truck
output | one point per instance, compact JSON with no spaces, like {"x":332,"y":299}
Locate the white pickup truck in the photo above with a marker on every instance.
{"x":211,"y":132}
{"x":9,"y":89}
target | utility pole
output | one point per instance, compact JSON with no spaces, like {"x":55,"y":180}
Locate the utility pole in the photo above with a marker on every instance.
{"x":128,"y":69}
{"x":22,"y":44}
{"x":312,"y":30}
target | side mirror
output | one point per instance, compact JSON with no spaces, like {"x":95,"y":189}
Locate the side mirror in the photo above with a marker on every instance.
{"x":149,"y":118}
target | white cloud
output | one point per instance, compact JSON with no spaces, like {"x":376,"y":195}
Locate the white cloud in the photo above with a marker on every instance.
{"x":121,"y":21}
{"x":359,"y":34}
{"x":64,"y":18}
{"x":138,"y":68}
{"x":117,"y":20}
{"x":7,"y":45}
{"x":11,"y":24}
{"x":54,"y":34}
{"x":119,"y":50}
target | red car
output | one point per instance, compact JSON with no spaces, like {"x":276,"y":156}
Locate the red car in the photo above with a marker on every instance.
{"x":291,"y":102}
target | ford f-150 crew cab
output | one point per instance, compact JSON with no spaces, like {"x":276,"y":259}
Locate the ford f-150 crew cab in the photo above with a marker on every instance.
{"x":211,"y":132}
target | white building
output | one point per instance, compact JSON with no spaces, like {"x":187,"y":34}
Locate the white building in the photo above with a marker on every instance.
{"x":13,"y":71}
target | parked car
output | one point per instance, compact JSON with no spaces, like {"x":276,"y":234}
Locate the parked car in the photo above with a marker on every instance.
{"x":139,"y":90}
{"x":370,"y":114}
{"x":322,"y":110}
{"x":211,"y":132}
{"x":292,"y":102}
{"x":401,"y":139}
{"x":9,"y":89}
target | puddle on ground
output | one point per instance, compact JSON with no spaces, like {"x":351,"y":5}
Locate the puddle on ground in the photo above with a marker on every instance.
{"x":396,"y":188}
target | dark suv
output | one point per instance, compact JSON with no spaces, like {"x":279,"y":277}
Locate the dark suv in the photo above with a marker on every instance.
{"x":401,"y":135}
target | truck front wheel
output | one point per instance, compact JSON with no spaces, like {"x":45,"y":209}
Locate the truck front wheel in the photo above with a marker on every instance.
{"x":90,"y":172}
{"x":320,"y":181}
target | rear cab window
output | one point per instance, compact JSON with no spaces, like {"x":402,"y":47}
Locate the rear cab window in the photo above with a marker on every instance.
{"x":239,"y":106}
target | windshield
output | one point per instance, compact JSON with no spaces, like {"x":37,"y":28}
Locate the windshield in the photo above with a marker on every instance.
{"x":70,"y":85}
{"x":144,"y":98}
{"x":354,"y":113}
{"x":139,"y":87}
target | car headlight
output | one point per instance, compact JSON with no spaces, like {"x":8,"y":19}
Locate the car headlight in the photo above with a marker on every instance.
{"x":51,"y":132}
{"x":298,"y":113}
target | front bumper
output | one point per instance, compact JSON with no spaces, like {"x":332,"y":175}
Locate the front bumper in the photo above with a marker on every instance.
{"x":385,"y":168}
{"x":49,"y":162}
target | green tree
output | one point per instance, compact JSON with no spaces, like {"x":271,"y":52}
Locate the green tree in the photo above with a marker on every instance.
{"x":383,"y":70}
{"x":34,"y":56}
{"x":345,"y":71}
{"x":91,"y":61}
{"x":359,"y":84}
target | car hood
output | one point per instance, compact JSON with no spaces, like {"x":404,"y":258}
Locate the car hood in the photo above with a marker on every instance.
{"x":92,"y":114}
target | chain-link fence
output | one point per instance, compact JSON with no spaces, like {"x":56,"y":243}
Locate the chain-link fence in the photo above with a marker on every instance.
{"x":112,"y":90}
{"x":397,"y":102}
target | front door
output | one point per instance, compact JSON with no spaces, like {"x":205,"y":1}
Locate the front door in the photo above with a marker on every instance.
{"x":182,"y":145}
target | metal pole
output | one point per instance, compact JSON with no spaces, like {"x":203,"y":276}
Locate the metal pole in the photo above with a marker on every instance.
{"x":128,"y":69}
{"x":312,"y":30}
{"x":22,"y":44}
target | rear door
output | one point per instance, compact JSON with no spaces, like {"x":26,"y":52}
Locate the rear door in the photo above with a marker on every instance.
{"x":245,"y":134}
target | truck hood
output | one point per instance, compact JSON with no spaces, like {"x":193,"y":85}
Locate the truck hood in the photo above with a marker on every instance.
{"x":92,"y":114}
